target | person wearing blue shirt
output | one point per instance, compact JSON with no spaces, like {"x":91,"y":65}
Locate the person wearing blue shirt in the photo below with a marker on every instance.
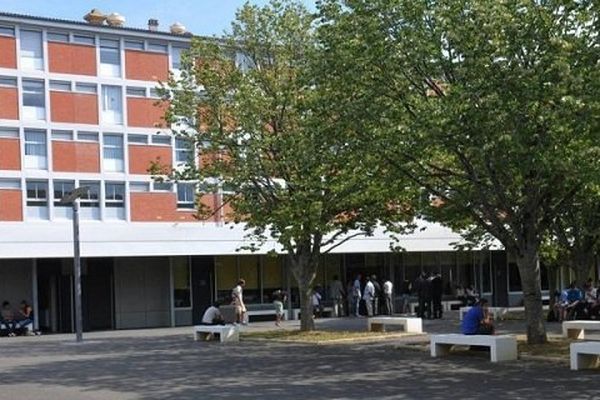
{"x":477,"y":321}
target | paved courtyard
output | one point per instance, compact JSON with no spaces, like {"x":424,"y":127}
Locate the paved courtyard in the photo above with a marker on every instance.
{"x":168,"y":364}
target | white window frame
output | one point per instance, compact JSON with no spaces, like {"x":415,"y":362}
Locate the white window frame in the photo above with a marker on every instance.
{"x":111,"y":163}
{"x":183,"y":195}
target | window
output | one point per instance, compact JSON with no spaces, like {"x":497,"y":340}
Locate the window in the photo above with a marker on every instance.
{"x":136,"y":91}
{"x":90,"y":201}
{"x":60,"y":85}
{"x":158,"y":47}
{"x":110,"y":58}
{"x":113,"y":153}
{"x":58,"y":37}
{"x":114,"y":200}
{"x":37,"y":199}
{"x":141,"y":139}
{"x":7,"y":31}
{"x":185,"y":195}
{"x":87,"y":136}
{"x":164,"y":140}
{"x":9,"y":132}
{"x":8,"y":81}
{"x":31,"y":50}
{"x":10,"y":183}
{"x":183,"y":151}
{"x":35,"y":149}
{"x":154,"y":93}
{"x":112,"y":105}
{"x":84,"y":39}
{"x":34,"y":103}
{"x":163,"y":186}
{"x":134,"y":45}
{"x":86,"y":87}
{"x":139,"y":186}
{"x":181,"y":282}
{"x":176,"y":57}
{"x":61,"y":189}
{"x":62,"y":135}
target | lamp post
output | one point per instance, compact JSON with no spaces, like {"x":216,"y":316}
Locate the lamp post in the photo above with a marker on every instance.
{"x":73,"y":199}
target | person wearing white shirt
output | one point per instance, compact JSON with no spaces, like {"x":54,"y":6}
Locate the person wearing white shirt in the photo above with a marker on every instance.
{"x":368,"y":296}
{"x":336,"y":293}
{"x":388,"y":288}
{"x":212,"y":315}
{"x":237,"y":300}
{"x":356,"y":296}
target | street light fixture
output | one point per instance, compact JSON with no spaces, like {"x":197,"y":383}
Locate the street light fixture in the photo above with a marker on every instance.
{"x":73,"y":199}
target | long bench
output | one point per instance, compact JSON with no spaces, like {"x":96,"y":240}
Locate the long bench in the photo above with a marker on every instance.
{"x":227,"y":333}
{"x":502,"y":348}
{"x":497,"y":312}
{"x":411,"y":325}
{"x":576,"y":329}
{"x":585,"y":355}
{"x":325,"y":310}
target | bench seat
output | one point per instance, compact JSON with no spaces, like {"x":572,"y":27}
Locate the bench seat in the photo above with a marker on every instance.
{"x":576,"y":329}
{"x":585,"y":355}
{"x":227,"y":333}
{"x":502,"y":348}
{"x":411,"y":325}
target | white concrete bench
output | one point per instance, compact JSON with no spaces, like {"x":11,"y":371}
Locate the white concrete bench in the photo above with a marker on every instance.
{"x":296,"y":312}
{"x":447,"y":305}
{"x":585,"y":355}
{"x":576,"y":329}
{"x":497,"y":312}
{"x":411,"y":325}
{"x":227,"y":333}
{"x":502,"y":348}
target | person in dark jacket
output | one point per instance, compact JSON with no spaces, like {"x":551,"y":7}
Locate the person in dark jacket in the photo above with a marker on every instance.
{"x":437,"y":290}
{"x":423,"y":291}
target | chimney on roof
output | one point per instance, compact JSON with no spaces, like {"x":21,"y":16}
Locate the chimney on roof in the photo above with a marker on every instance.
{"x":152,"y":24}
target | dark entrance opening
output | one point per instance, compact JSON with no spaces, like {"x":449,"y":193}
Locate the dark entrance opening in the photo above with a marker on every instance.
{"x":97,"y":294}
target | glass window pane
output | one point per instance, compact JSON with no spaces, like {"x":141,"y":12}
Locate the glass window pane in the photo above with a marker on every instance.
{"x":84,"y":39}
{"x":7,"y":31}
{"x":159,"y":47}
{"x":86,"y":87}
{"x":137,"y":139}
{"x":110,"y":56}
{"x":87,"y":136}
{"x":61,"y":189}
{"x":134,"y":44}
{"x":166,"y":140}
{"x":136,"y":91}
{"x":31,"y":44}
{"x":58,"y":37}
{"x":181,"y":282}
{"x":33,"y":93}
{"x":60,"y":85}
{"x":8,"y":81}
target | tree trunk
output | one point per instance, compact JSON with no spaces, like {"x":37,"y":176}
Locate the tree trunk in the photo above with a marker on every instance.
{"x":553,"y":272}
{"x":307,"y":322}
{"x":304,"y":268}
{"x":529,"y":268}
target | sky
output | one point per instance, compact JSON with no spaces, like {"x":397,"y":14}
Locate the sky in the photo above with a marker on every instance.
{"x":201,"y":17}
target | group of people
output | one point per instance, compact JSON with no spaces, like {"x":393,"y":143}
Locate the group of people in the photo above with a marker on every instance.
{"x":375,"y":297}
{"x":16,"y":322}
{"x":429,"y":289}
{"x":576,"y":303}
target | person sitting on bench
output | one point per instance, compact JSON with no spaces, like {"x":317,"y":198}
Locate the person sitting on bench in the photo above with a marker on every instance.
{"x":8,"y":318}
{"x":212,"y":315}
{"x":478,"y":321}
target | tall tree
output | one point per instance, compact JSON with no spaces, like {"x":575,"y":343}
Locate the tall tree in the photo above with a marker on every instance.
{"x":490,"y":105}
{"x":249,"y":104}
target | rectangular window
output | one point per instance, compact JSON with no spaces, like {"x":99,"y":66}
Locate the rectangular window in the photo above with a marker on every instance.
{"x":139,"y":187}
{"x":37,"y":199}
{"x":113,"y":153}
{"x":163,"y":140}
{"x":134,"y":45}
{"x":141,"y":139}
{"x":62,"y":135}
{"x":9,"y":132}
{"x":7,"y":31}
{"x":112,"y":105}
{"x":181,"y":282}
{"x":176,"y":53}
{"x":186,"y":195}
{"x":61,"y":189}
{"x":35,"y":149}
{"x":87,"y":136}
{"x":163,"y":187}
{"x":31,"y":50}
{"x":136,"y":91}
{"x":10,"y":183}
{"x":8,"y":81}
{"x":158,"y":47}
{"x":60,"y":85}
{"x":183,"y":151}
{"x":114,"y":200}
{"x":154,"y":93}
{"x":86,"y":87}
{"x":110,"y":58}
{"x":81,"y":39}
{"x":34,"y":102}
{"x":58,"y":37}
{"x":90,"y":200}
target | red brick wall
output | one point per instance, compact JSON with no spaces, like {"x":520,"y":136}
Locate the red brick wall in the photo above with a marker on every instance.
{"x":212,"y":202}
{"x":141,"y":156}
{"x":74,"y":107}
{"x":8,"y":52}
{"x":148,"y":207}
{"x":145,"y":66}
{"x":75,"y":59}
{"x":75,"y":157}
{"x":11,"y":206}
{"x":10,"y":154}
{"x":144,"y":113}
{"x":9,"y":103}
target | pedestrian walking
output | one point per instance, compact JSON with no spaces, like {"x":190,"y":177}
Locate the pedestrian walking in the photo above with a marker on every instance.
{"x":388,"y":295}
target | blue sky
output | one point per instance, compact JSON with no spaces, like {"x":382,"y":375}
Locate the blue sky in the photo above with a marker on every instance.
{"x":202,"y":17}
